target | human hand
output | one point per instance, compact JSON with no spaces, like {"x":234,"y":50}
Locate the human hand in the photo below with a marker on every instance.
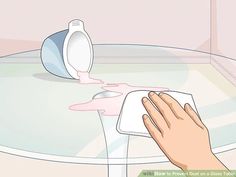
{"x":180,"y":133}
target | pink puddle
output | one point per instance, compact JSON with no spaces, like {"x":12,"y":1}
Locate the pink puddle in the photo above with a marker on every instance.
{"x":111,"y":106}
{"x":84,"y":78}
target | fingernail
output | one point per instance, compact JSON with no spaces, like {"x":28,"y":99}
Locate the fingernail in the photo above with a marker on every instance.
{"x":144,"y":116}
{"x":144,"y":99}
{"x":189,"y":106}
{"x":161,"y":93}
{"x":151,"y":93}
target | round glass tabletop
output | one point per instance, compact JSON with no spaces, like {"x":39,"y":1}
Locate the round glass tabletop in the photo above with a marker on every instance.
{"x":36,"y":122}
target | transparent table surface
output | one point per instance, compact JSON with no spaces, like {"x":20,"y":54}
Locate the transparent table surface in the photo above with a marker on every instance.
{"x":34,"y":114}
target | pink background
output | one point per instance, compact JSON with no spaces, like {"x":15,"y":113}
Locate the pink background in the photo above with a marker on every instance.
{"x":180,"y":23}
{"x":225,"y":39}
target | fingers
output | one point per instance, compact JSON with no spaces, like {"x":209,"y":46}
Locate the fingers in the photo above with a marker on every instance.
{"x":153,"y":131}
{"x":174,"y":106}
{"x":162,"y":107}
{"x":189,"y":110}
{"x":155,"y":115}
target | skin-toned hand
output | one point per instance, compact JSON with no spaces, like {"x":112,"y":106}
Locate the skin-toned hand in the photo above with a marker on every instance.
{"x":180,"y":133}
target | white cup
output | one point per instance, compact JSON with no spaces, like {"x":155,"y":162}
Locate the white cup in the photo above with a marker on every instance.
{"x":68,"y":52}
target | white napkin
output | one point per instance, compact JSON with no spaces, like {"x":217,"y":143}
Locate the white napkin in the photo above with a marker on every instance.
{"x":130,"y":119}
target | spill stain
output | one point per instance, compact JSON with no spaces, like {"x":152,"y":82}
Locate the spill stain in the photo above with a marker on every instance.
{"x":111,"y":106}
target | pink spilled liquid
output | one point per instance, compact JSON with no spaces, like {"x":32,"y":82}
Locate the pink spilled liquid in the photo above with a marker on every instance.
{"x":111,"y":106}
{"x":84,"y":78}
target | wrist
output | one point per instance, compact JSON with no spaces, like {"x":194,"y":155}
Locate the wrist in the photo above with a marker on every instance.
{"x":207,"y":162}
